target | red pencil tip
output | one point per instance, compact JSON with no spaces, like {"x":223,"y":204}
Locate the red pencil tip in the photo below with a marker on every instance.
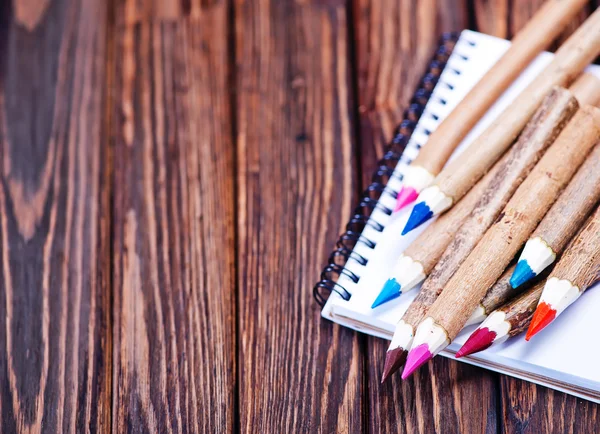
{"x":406,"y":196}
{"x":478,"y":341}
{"x":417,"y":357}
{"x":543,"y":315}
{"x":394,"y":359}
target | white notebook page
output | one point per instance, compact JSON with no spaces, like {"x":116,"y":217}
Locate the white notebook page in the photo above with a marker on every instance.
{"x":554,"y":358}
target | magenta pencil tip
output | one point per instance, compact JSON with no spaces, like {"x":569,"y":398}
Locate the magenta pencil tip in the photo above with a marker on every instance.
{"x":417,"y":357}
{"x":479,"y":340}
{"x":406,"y":196}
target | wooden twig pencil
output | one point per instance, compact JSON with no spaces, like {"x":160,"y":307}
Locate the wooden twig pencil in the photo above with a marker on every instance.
{"x":537,"y":35}
{"x":498,"y":294}
{"x":577,"y":269}
{"x":463,"y":172}
{"x":562,"y":221}
{"x":507,"y":321}
{"x":420,"y":257}
{"x":556,"y":110}
{"x":586,"y":89}
{"x":493,"y":253}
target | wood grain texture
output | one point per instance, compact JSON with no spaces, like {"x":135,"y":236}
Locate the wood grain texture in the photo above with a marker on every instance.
{"x":297,"y":178}
{"x":394,"y":42}
{"x":173,"y":260}
{"x":54,"y":218}
{"x":529,"y":409}
{"x":131,"y":230}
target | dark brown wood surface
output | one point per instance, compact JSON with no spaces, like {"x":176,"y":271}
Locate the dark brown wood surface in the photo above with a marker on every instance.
{"x":173,"y":177}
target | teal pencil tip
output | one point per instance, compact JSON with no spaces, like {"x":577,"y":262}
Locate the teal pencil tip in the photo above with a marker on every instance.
{"x":419,"y":215}
{"x":390,"y":291}
{"x":522,"y":274}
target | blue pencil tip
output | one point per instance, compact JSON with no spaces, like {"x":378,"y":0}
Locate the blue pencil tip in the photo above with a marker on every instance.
{"x":522,"y":274}
{"x":419,"y":215}
{"x":390,"y":291}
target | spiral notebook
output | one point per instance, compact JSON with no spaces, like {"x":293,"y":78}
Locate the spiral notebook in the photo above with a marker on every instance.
{"x":367,"y":251}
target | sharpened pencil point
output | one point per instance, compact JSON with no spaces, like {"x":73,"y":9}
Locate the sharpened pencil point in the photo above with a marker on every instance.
{"x":480,"y":339}
{"x":419,"y":215}
{"x":417,"y":357}
{"x":394,"y":360}
{"x":543,"y":315}
{"x":390,"y":291}
{"x":522,"y":274}
{"x":406,"y":196}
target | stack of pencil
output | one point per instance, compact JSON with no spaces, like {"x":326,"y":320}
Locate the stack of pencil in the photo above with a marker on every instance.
{"x":529,"y":182}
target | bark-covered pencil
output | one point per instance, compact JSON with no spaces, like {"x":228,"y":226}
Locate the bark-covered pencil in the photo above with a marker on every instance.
{"x":420,"y":257}
{"x":562,"y":221}
{"x":556,"y":110}
{"x":577,"y":269}
{"x":507,"y":321}
{"x":537,"y":35}
{"x":463,"y":172}
{"x":497,"y":248}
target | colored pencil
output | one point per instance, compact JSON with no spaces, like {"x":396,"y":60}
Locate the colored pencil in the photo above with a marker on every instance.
{"x":565,"y":217}
{"x":500,"y":293}
{"x":420,"y":257}
{"x":586,"y":89}
{"x":536,"y":36}
{"x":507,"y":321}
{"x":496,"y":249}
{"x":556,"y":110}
{"x":577,"y":269}
{"x":463,"y":172}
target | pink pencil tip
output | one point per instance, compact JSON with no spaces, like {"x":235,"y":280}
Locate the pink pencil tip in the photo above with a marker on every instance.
{"x":478,"y":341}
{"x":406,"y":196}
{"x":417,"y":357}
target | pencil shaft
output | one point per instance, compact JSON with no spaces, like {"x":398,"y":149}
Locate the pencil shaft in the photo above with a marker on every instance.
{"x":429,"y":246}
{"x":586,"y":89}
{"x":517,"y":221}
{"x":573,"y":206}
{"x":580,"y":264}
{"x":579,"y":50}
{"x":445,"y":267}
{"x":520,"y":310}
{"x":500,"y":292}
{"x":557,"y":109}
{"x":537,"y":35}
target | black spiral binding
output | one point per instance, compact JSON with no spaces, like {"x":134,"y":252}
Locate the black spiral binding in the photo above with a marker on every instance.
{"x":385,"y":169}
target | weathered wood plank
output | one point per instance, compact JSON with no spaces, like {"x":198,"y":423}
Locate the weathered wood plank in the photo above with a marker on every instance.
{"x":54,"y":218}
{"x":527,"y":408}
{"x":174,"y":275}
{"x":297,"y":183}
{"x":395,"y":43}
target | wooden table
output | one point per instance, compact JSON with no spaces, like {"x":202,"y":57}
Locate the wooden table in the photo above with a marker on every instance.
{"x":173,"y":177}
